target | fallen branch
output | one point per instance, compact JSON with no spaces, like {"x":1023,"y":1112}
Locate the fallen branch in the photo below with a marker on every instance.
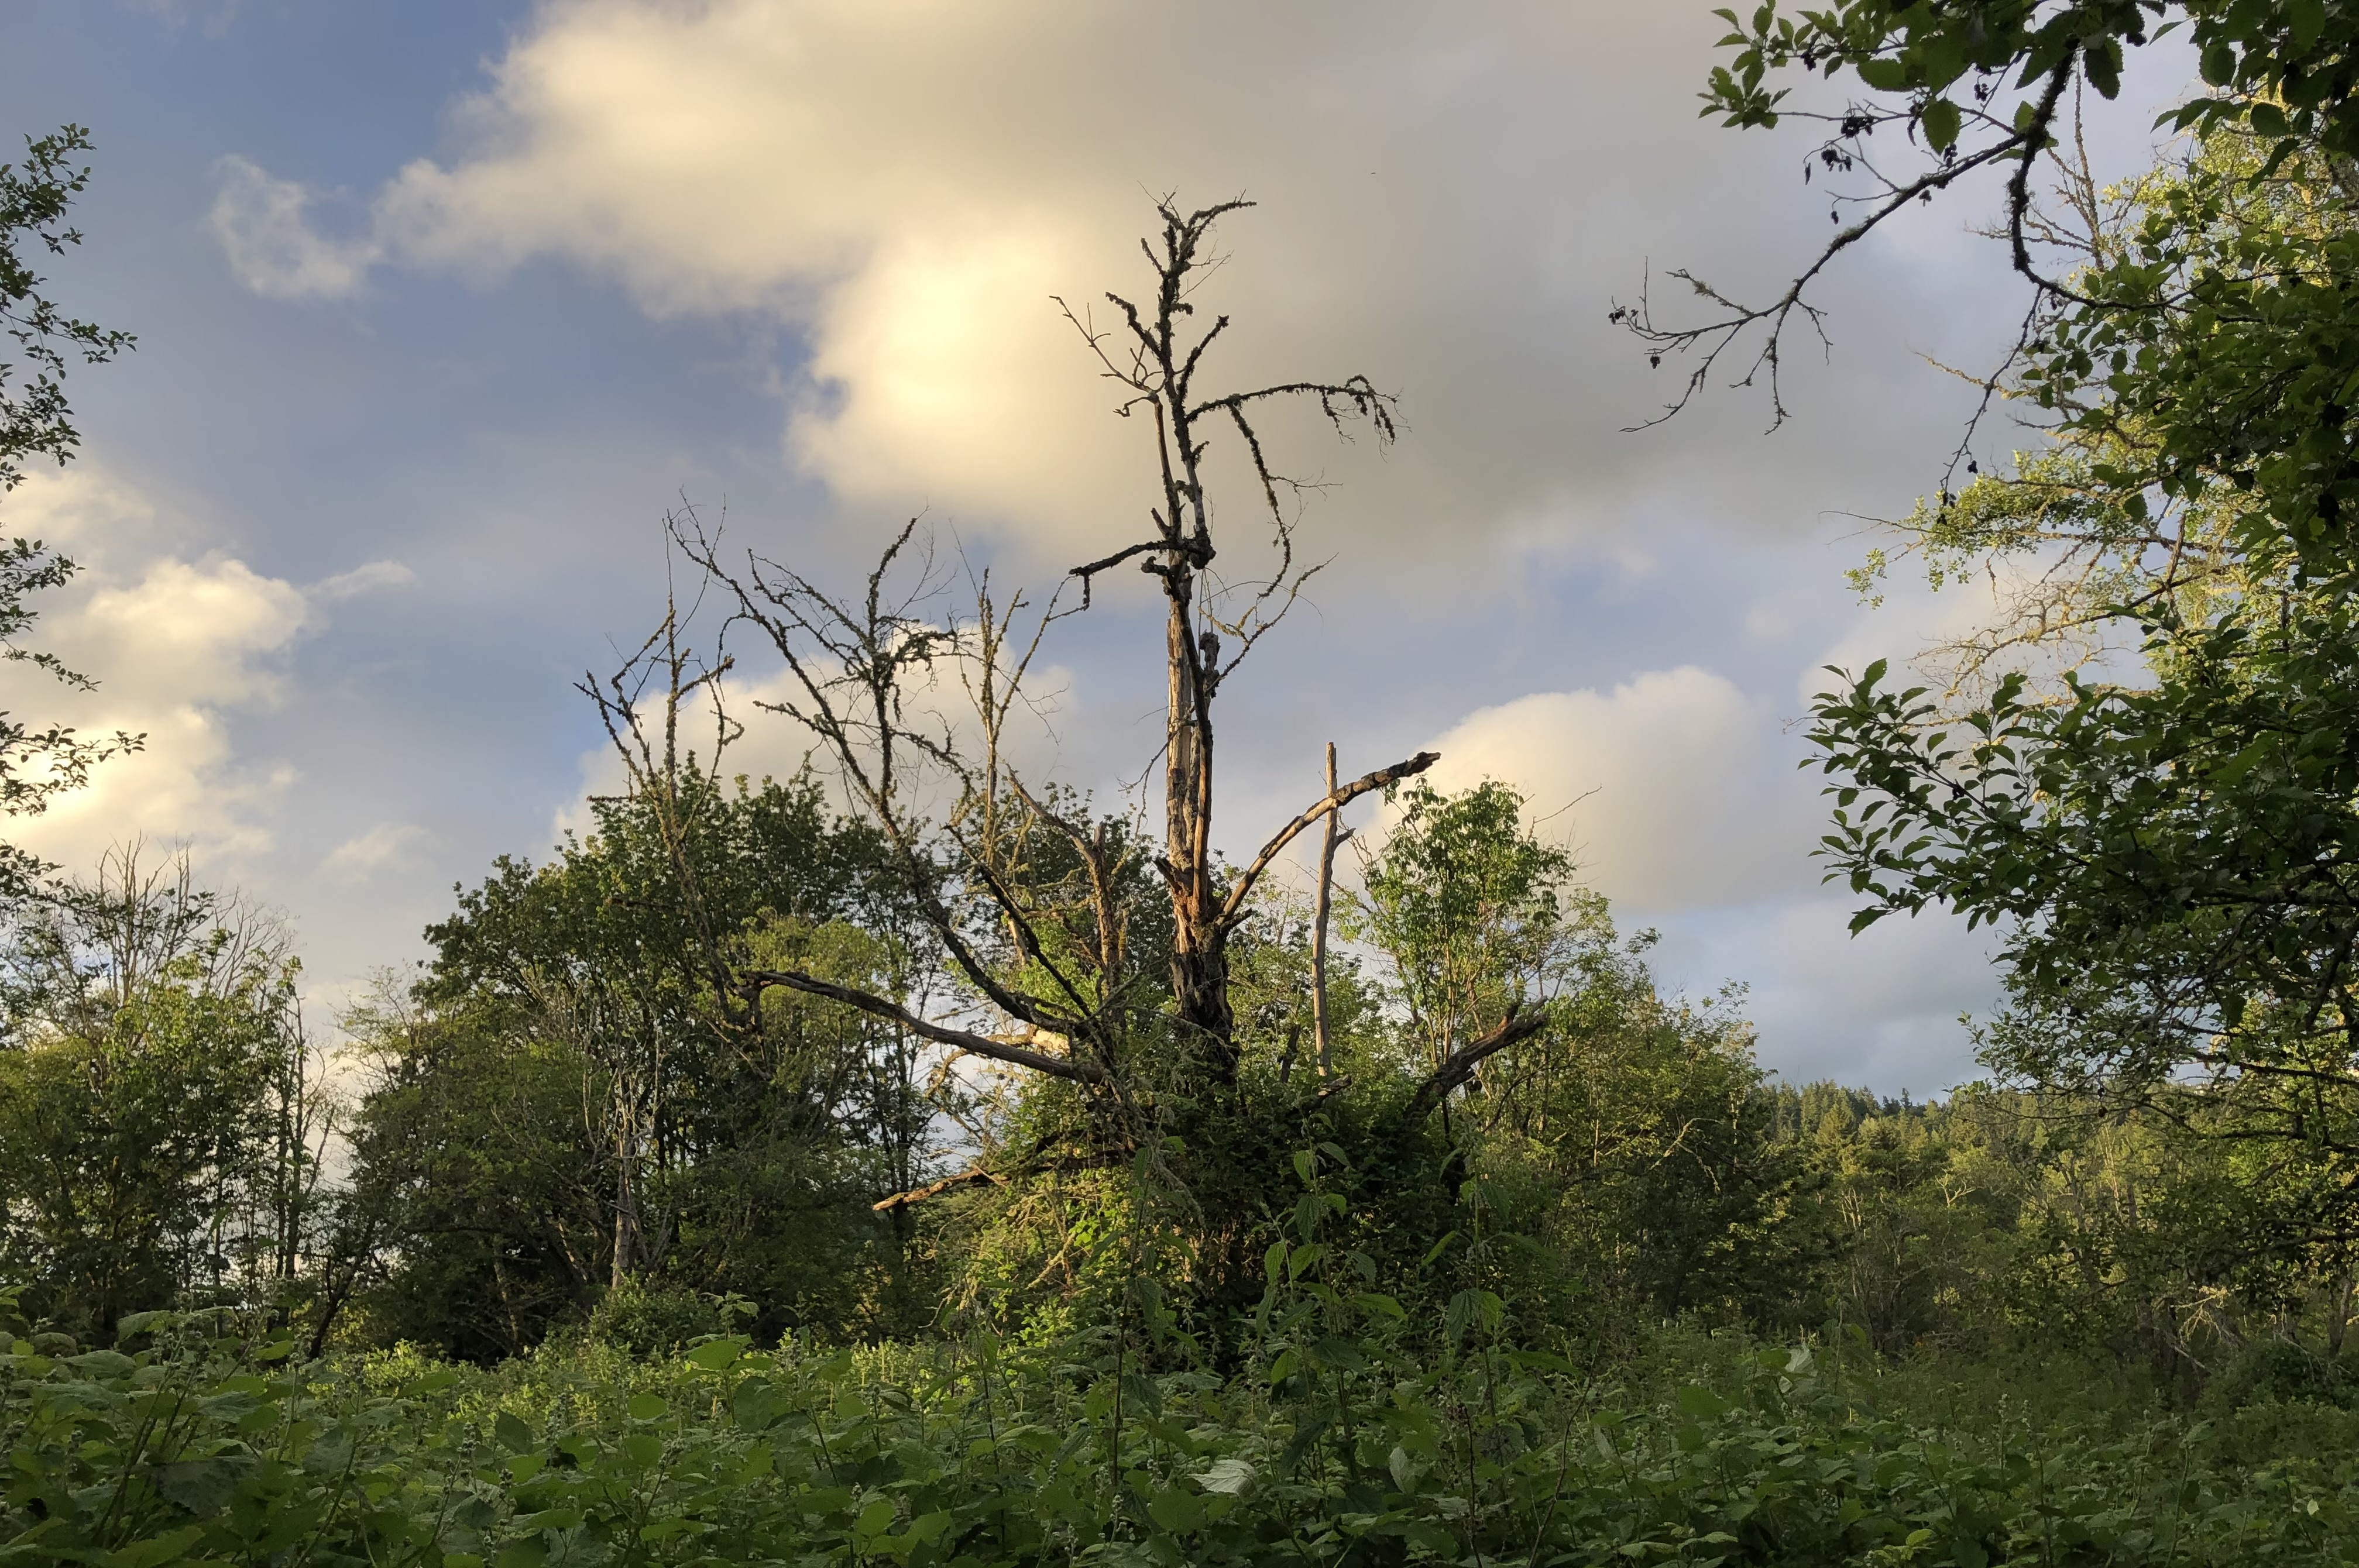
{"x":1517,"y":1026}
{"x":1067,"y":1067}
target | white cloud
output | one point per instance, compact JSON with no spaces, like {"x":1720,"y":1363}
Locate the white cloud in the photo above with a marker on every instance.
{"x":389,"y":846}
{"x":263,"y":227}
{"x":1667,"y":787}
{"x":368,"y":577}
{"x":69,"y":507}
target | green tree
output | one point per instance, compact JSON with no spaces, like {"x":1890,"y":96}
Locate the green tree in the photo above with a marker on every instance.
{"x":35,"y":419}
{"x":2141,"y":772}
{"x":572,"y":1042}
{"x":2167,"y":838}
{"x":150,"y":1032}
{"x":1622,"y":1152}
{"x":1478,"y":919}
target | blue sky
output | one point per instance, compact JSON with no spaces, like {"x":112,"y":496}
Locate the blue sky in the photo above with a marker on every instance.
{"x":441,"y":305}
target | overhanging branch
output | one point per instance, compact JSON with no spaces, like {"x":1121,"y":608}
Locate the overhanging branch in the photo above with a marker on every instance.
{"x":1104,"y":1160}
{"x":1335,"y":800}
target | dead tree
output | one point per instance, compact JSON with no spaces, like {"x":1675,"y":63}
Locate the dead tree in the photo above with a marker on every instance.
{"x":1052,"y":986}
{"x":1156,"y":357}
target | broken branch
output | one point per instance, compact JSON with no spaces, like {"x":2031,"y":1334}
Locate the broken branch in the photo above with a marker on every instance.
{"x":1517,"y":1026}
{"x":1067,"y":1068}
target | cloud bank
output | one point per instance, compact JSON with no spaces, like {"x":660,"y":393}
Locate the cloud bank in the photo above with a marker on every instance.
{"x":906,"y":183}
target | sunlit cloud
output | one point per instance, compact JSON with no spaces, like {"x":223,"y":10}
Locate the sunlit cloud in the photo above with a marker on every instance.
{"x":1665,"y":787}
{"x":908,"y":183}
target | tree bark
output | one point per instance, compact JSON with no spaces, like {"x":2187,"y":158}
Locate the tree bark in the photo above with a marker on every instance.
{"x":1078,"y":1069}
{"x":626,"y":1201}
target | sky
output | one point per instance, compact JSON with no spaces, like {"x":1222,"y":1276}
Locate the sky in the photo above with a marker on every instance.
{"x":443,"y":306}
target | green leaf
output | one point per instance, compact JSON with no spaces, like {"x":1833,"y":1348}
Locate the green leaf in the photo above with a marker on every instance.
{"x":1233,"y":1477}
{"x":1334,"y":1351}
{"x":203,"y":1487}
{"x":1940,"y":120}
{"x":646,"y":1406}
{"x":514,"y":1433}
{"x":2102,"y":63}
{"x":716,"y":1355}
{"x":1175,"y":1509}
{"x":1884,"y":75}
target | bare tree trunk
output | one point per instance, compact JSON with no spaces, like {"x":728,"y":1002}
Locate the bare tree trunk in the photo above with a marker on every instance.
{"x":848,"y":661}
{"x":1320,"y":1033}
{"x":1199,"y":964}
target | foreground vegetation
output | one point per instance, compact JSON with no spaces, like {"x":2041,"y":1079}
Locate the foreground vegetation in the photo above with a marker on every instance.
{"x":202,"y":1443}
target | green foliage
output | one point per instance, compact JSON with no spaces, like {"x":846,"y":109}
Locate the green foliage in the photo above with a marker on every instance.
{"x":575,"y":1099}
{"x":1354,"y":1433}
{"x":1478,"y":917}
{"x":35,"y":421}
{"x":2278,"y":68}
{"x":2166,"y":837}
{"x":38,"y":761}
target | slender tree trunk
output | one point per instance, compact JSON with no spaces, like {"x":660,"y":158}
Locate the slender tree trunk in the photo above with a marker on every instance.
{"x":1321,"y":1036}
{"x":627,"y":1199}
